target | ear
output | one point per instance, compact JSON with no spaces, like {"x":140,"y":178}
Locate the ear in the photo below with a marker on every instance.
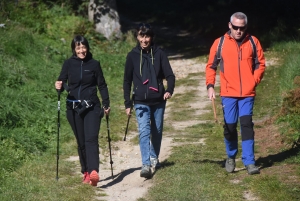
{"x":229,"y":25}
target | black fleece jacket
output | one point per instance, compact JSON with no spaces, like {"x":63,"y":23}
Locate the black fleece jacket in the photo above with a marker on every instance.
{"x":83,"y":77}
{"x":135,"y":62}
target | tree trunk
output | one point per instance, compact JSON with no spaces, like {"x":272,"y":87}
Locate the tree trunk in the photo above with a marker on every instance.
{"x":105,"y":17}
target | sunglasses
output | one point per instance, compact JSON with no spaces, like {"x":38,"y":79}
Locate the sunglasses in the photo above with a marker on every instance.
{"x":144,"y":25}
{"x":237,"y":27}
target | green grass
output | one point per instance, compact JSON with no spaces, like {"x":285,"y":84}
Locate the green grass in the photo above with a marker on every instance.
{"x":270,"y":188}
{"x":38,"y":180}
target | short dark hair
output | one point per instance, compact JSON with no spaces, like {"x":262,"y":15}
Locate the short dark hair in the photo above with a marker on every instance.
{"x":144,"y":29}
{"x":77,"y":41}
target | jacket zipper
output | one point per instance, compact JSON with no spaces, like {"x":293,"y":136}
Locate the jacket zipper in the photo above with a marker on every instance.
{"x":80,"y":81}
{"x":239,"y":65}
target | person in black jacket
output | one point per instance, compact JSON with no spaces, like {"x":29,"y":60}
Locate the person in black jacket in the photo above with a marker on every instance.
{"x":146,"y":67}
{"x":80,"y":76}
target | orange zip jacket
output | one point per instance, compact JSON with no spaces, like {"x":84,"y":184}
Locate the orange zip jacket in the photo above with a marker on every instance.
{"x":238,"y":77}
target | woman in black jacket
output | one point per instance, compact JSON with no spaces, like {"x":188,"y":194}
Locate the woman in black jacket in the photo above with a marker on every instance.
{"x":80,"y":76}
{"x":146,"y":67}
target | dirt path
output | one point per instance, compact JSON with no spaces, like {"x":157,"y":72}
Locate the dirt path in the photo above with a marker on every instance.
{"x":127,"y":185}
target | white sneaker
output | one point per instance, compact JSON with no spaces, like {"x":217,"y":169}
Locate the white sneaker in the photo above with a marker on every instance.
{"x":155,"y":163}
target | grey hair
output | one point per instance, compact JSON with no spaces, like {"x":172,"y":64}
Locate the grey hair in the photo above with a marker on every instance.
{"x":239,"y":15}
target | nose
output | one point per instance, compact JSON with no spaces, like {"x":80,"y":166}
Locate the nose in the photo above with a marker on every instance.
{"x":80,"y":49}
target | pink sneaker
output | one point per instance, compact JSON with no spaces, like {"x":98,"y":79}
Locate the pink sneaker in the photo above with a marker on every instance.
{"x":94,"y":178}
{"x":86,"y":178}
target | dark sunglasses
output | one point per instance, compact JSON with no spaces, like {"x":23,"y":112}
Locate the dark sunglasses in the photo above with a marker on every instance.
{"x":144,"y":25}
{"x":237,"y":27}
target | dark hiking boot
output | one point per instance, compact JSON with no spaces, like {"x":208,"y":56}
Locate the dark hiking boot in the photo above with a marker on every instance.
{"x":94,"y":178}
{"x":230,"y":165}
{"x":146,"y":171}
{"x":155,"y":163}
{"x":252,"y":169}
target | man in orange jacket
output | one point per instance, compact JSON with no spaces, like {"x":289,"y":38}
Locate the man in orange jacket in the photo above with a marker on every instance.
{"x":242,"y":65}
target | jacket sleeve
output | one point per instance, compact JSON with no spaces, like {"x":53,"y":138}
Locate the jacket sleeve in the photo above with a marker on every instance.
{"x":212,"y":64}
{"x":127,"y":81}
{"x":102,"y":86}
{"x":63,"y":76}
{"x":168,"y":73}
{"x":259,"y":62}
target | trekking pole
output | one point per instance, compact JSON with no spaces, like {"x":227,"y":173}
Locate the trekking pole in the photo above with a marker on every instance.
{"x":108,"y":136}
{"x":131,"y":107}
{"x":124,"y":139}
{"x":58,"y":127}
{"x":214,"y":108}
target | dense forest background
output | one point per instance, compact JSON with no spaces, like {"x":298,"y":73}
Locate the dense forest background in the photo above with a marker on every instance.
{"x":270,"y":20}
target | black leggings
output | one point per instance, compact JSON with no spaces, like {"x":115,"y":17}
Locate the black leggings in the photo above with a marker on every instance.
{"x":86,"y":130}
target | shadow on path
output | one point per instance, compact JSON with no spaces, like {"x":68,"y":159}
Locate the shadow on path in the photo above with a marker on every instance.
{"x":269,"y":160}
{"x":118,"y":178}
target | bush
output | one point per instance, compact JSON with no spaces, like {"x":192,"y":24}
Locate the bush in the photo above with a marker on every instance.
{"x":289,"y":84}
{"x":11,"y":156}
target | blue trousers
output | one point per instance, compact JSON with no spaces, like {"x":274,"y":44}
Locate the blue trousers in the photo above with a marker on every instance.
{"x":150,"y":124}
{"x":242,"y":108}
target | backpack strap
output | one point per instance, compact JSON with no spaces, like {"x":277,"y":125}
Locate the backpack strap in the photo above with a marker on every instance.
{"x":254,"y":53}
{"x":220,"y":47}
{"x":253,"y":47}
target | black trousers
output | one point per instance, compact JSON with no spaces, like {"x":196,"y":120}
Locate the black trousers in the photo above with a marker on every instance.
{"x":86,"y":129}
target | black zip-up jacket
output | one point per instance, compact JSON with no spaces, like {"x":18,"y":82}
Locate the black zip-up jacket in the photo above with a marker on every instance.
{"x":83,"y":77}
{"x":132,"y":74}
